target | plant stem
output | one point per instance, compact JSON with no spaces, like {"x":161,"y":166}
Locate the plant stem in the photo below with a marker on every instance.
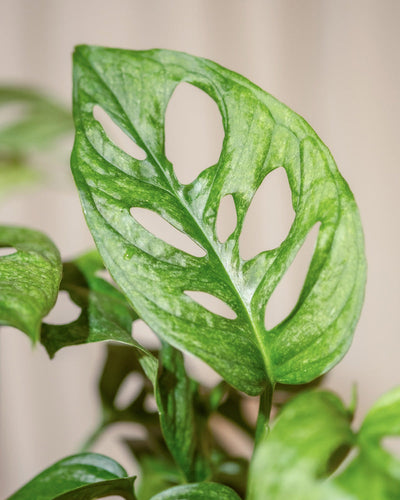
{"x":264,"y":413}
{"x":93,"y":437}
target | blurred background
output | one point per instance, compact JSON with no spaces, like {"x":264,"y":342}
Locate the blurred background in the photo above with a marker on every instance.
{"x":336,"y":63}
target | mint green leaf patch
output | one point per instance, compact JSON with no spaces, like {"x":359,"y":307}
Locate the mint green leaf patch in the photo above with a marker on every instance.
{"x":80,"y":477}
{"x":29,"y":279}
{"x":261,"y":134}
{"x":105,"y":313}
{"x":375,"y":472}
{"x":308,"y":440}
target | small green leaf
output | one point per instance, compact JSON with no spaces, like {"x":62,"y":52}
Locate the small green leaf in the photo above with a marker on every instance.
{"x":183,"y":423}
{"x":79,"y":477}
{"x":105,"y":315}
{"x":375,"y":473}
{"x":198,"y":491}
{"x":29,"y":279}
{"x":261,"y":134}
{"x":310,"y":437}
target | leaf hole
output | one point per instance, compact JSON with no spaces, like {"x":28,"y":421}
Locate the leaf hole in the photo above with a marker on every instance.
{"x":392,"y":445}
{"x":200,"y":371}
{"x":226,"y":218}
{"x":4,"y":251}
{"x":193,"y":132}
{"x":64,"y":311}
{"x":212,"y":303}
{"x":286,"y":294}
{"x":269,"y":217}
{"x":143,"y":334}
{"x":128,"y":391}
{"x":162,"y":229}
{"x":149,"y":403}
{"x":117,"y":135}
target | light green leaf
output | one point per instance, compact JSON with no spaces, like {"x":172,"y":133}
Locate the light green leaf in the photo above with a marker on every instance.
{"x":375,"y":473}
{"x":15,"y":174}
{"x":261,"y":134}
{"x":183,"y":424}
{"x":198,"y":491}
{"x":80,"y":477}
{"x":105,"y":315}
{"x":307,"y":441}
{"x":29,"y":279}
{"x":41,"y":122}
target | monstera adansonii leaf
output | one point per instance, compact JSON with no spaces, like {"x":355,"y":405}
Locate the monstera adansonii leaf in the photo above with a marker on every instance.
{"x":261,"y":134}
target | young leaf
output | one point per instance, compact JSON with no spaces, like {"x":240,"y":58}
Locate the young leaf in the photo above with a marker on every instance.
{"x":309,"y":438}
{"x":29,"y":279}
{"x":261,"y":134}
{"x":79,"y":477}
{"x":184,"y":426}
{"x":105,"y":315}
{"x":198,"y":491}
{"x":375,"y":473}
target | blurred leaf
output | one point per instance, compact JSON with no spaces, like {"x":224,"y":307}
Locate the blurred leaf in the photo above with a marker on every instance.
{"x":15,"y":174}
{"x":41,"y":122}
{"x":308,"y":440}
{"x":105,"y":315}
{"x":183,"y":421}
{"x":199,"y":491}
{"x":79,"y":477}
{"x":375,"y":473}
{"x":156,"y":475}
{"x":29,"y":279}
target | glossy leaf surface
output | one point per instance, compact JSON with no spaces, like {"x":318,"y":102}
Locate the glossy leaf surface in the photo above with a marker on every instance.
{"x":261,"y":134}
{"x":29,"y":279}
{"x":80,"y":477}
{"x":375,"y":473}
{"x":198,"y":491}
{"x":183,"y":423}
{"x":307,"y":441}
{"x":105,"y":313}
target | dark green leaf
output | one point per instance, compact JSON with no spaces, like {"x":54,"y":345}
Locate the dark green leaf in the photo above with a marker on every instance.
{"x":309,"y":438}
{"x":375,"y":473}
{"x":183,"y":423}
{"x":198,"y":491}
{"x":261,"y":134}
{"x":80,"y":477}
{"x":105,"y":314}
{"x":29,"y":279}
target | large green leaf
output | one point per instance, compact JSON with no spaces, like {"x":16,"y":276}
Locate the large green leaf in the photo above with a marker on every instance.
{"x":375,"y":473}
{"x":29,"y":279}
{"x":105,"y":313}
{"x":80,"y":477}
{"x":308,"y":440}
{"x":198,"y":491}
{"x":261,"y":134}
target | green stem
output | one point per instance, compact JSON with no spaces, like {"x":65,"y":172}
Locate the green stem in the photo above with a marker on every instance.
{"x":264,"y":412}
{"x":93,"y":437}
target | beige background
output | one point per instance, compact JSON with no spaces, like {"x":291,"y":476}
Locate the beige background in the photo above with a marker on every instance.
{"x":334,"y":62}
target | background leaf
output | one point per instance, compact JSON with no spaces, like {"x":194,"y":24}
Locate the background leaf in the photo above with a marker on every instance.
{"x":262,"y":134}
{"x":29,"y":279}
{"x":308,"y":440}
{"x":79,"y":477}
{"x":199,"y":491}
{"x":105,"y":315}
{"x":375,"y":473}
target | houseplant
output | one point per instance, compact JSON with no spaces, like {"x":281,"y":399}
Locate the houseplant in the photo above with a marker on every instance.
{"x":298,"y":454}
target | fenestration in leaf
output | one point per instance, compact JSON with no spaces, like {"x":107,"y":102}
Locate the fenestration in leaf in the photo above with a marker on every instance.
{"x":29,"y":279}
{"x":261,"y":134}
